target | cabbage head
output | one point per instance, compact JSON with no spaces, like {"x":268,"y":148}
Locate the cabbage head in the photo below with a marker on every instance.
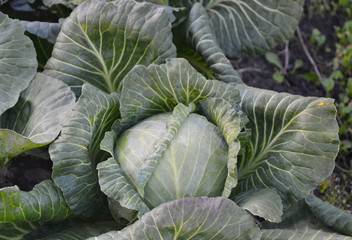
{"x":194,"y":164}
{"x":177,"y":140}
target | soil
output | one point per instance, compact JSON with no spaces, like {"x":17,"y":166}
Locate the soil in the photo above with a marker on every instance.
{"x":260,"y":75}
{"x":26,"y":171}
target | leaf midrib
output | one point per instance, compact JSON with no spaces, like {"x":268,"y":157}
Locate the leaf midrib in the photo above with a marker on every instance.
{"x":258,"y":159}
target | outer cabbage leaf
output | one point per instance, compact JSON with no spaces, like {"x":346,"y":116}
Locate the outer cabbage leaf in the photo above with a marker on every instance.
{"x":102,"y":41}
{"x":223,"y":115}
{"x":124,"y":201}
{"x":170,"y":10}
{"x":249,"y":27}
{"x":115,"y":185}
{"x":293,"y":145}
{"x":191,"y":218}
{"x":339,"y":220}
{"x":13,"y":144}
{"x":3,"y":2}
{"x":76,"y":152}
{"x":195,"y":59}
{"x":22,"y":212}
{"x":44,"y":30}
{"x":43,"y":36}
{"x":43,"y":203}
{"x":200,"y":37}
{"x":161,"y":2}
{"x":68,"y":3}
{"x":18,"y":64}
{"x":71,"y":230}
{"x":299,"y":223}
{"x":22,"y":5}
{"x":264,"y":202}
{"x":159,"y":88}
{"x":36,"y":119}
{"x":16,"y":230}
{"x":43,"y":48}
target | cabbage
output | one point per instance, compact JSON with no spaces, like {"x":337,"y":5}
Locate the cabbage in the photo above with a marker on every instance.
{"x":193,"y":164}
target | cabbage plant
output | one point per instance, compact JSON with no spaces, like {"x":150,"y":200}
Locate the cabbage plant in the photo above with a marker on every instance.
{"x":165,"y":141}
{"x":33,"y":105}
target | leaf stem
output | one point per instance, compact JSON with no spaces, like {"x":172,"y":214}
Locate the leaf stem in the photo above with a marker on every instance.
{"x":287,"y":55}
{"x":310,"y":58}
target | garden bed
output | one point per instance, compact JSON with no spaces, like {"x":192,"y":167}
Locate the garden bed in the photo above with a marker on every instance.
{"x":255,"y":71}
{"x":128,"y":123}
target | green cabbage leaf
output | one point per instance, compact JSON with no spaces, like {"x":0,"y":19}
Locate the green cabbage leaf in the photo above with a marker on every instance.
{"x":22,"y":212}
{"x":249,"y":27}
{"x":293,"y":145}
{"x":200,"y":37}
{"x":36,"y":118}
{"x":337,"y":219}
{"x":18,"y":64}
{"x":263,"y":202}
{"x":298,"y":222}
{"x":191,"y":218}
{"x":100,"y":42}
{"x":76,"y":152}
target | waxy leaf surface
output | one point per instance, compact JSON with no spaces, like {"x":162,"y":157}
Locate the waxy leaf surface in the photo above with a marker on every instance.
{"x":339,"y":220}
{"x":36,"y":118}
{"x":249,"y":27}
{"x":264,"y":202}
{"x":71,"y":230}
{"x":77,"y":151}
{"x":21,"y":212}
{"x":298,"y":222}
{"x":102,"y":41}
{"x":200,"y":37}
{"x":44,"y":30}
{"x":159,"y":88}
{"x":191,"y":218}
{"x":224,"y":116}
{"x":18,"y":64}
{"x":293,"y":145}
